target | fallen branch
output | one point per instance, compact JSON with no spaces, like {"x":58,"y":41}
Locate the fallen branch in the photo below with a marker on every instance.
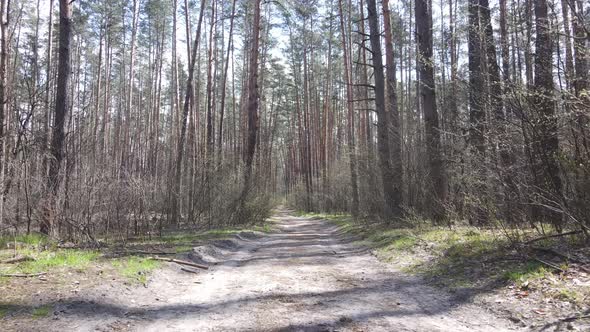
{"x":573,"y":318}
{"x":558,"y":254}
{"x":177,"y":261}
{"x":551,"y":265}
{"x":142,"y":252}
{"x":18,"y":260}
{"x":23,"y":275}
{"x":553,"y":236}
{"x":564,"y":256}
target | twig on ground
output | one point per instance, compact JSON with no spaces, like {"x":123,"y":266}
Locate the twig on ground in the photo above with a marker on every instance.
{"x":17,"y":275}
{"x":573,"y":318}
{"x":551,"y":265}
{"x":18,"y":260}
{"x":564,"y":256}
{"x":553,"y":236}
{"x":142,"y":252}
{"x":177,"y":261}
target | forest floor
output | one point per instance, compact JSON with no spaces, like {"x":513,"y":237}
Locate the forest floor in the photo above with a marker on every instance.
{"x":306,"y":275}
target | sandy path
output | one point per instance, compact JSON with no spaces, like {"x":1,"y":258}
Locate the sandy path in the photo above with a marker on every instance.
{"x":301,"y":278}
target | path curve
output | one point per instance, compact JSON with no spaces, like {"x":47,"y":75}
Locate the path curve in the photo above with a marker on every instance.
{"x":303,"y":277}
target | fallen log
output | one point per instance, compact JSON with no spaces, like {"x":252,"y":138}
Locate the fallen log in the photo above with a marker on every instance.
{"x":178,"y":261}
{"x":18,"y":260}
{"x":17,"y":275}
{"x":553,"y":236}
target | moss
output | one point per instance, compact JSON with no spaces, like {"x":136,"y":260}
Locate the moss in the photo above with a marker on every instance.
{"x":42,"y":311}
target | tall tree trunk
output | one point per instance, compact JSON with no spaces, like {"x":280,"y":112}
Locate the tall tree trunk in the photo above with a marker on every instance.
{"x":391,"y":195}
{"x":4,"y":54}
{"x":210,"y":92}
{"x":436,"y":186}
{"x":252,"y":106}
{"x":126,"y":148}
{"x":545,"y":124}
{"x":61,"y":112}
{"x":48,"y":85}
{"x":580,"y":81}
{"x":395,"y":132}
{"x":224,"y":81}
{"x":188,"y":100}
{"x":350,"y":105}
{"x":476,"y":112}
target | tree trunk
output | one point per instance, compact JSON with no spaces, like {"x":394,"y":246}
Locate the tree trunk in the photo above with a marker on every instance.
{"x":545,"y":124}
{"x":188,"y":100}
{"x":252,"y":106}
{"x":436,"y":186}
{"x":395,"y":130}
{"x":354,"y":210}
{"x":391,"y":195}
{"x":4,"y":54}
{"x":476,"y":112}
{"x":61,"y":111}
{"x":224,"y":82}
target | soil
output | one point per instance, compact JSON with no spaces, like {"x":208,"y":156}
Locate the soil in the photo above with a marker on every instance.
{"x":306,"y":276}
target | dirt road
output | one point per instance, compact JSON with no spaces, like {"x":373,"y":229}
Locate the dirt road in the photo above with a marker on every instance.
{"x":304,"y":277}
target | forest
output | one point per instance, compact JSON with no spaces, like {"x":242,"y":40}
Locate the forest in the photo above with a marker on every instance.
{"x":131,"y":119}
{"x":127,"y":117}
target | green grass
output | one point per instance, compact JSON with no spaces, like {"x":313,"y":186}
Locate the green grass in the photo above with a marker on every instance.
{"x":136,"y":269}
{"x":53,"y":259}
{"x":42,"y":311}
{"x":459,"y":258}
{"x":452,"y":256}
{"x":3,"y":311}
{"x":30,"y":240}
{"x":526,"y":273}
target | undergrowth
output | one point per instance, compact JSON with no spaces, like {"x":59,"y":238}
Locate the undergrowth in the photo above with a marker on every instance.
{"x":459,"y":258}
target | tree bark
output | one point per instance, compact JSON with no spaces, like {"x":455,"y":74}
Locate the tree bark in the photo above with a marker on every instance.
{"x":4,"y":54}
{"x":188,"y":99}
{"x":224,"y":81}
{"x":476,"y":112}
{"x":354,"y":210}
{"x":545,"y":124}
{"x":61,"y":112}
{"x":251,"y":109}
{"x":436,"y":186}
{"x":391,"y":192}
